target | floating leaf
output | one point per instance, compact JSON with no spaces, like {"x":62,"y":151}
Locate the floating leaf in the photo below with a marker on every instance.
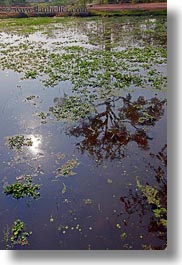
{"x":123,"y":235}
{"x":64,"y":189}
{"x":51,"y":219}
{"x":163,"y":222}
{"x":31,"y":97}
{"x":88,"y":201}
{"x":109,"y":181}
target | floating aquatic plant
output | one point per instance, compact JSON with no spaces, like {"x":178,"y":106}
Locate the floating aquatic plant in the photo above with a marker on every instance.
{"x":16,"y":235}
{"x":152,"y":196}
{"x":23,"y":188}
{"x":29,"y":98}
{"x":72,"y":108}
{"x":18,"y":141}
{"x":150,"y":193}
{"x":88,"y":201}
{"x":67,"y":169}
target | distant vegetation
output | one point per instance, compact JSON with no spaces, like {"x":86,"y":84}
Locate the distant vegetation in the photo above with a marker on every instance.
{"x":77,"y":2}
{"x":12,"y":2}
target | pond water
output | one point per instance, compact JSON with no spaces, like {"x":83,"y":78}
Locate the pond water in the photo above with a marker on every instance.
{"x":83,"y":117}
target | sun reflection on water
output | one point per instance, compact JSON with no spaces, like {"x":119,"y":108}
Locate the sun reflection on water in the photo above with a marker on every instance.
{"x":36,"y":144}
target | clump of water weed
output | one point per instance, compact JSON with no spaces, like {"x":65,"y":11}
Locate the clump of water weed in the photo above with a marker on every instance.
{"x":16,"y":235}
{"x":18,"y":141}
{"x":23,"y":188}
{"x":67,"y":168}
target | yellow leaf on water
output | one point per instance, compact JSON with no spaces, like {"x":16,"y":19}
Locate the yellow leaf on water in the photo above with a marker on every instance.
{"x":109,"y":181}
{"x":64,"y":189}
{"x":51,"y":219}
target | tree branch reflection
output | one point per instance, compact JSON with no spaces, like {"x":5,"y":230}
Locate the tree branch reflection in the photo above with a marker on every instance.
{"x":115,"y":124}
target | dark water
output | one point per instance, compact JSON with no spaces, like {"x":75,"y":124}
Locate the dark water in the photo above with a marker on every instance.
{"x":102,"y":207}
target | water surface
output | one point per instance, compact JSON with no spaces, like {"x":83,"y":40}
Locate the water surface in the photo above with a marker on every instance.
{"x":91,"y":92}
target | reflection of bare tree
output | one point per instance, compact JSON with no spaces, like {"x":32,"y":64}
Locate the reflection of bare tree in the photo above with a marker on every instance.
{"x":107,"y":37}
{"x":160,"y":174}
{"x":142,"y":111}
{"x":121,"y":32}
{"x":141,"y":31}
{"x":107,"y":133}
{"x":135,"y":202}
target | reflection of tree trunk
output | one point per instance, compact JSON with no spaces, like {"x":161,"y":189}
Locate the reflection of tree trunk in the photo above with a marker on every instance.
{"x":107,"y":37}
{"x":107,"y":43}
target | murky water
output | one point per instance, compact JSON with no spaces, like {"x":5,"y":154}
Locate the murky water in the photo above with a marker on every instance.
{"x":97,"y":130}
